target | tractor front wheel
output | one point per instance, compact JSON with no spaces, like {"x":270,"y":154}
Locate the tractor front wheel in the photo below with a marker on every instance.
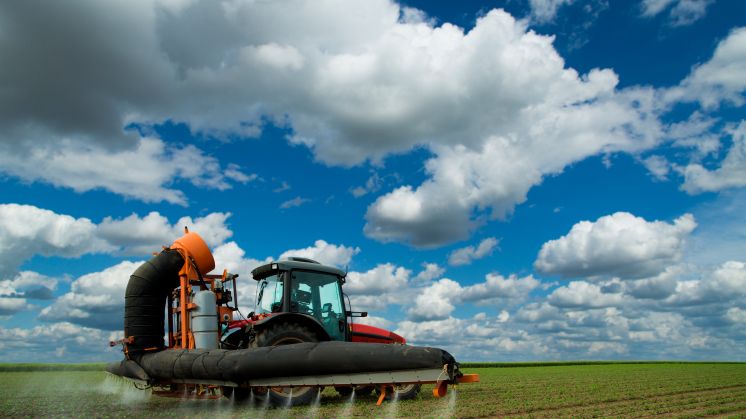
{"x":283,"y":334}
{"x":286,"y":334}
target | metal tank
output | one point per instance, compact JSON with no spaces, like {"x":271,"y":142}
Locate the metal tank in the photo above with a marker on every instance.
{"x":205,"y":320}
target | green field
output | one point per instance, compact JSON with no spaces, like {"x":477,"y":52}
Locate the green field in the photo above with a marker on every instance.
{"x":680,"y":390}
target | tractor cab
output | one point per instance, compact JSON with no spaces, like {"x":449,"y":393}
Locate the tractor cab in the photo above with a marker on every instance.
{"x":304,"y":286}
{"x":301,"y":300}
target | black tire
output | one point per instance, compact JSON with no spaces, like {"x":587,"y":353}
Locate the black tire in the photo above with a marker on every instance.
{"x":236,"y":340}
{"x":360,"y":391}
{"x":285,"y":333}
{"x":403,"y":391}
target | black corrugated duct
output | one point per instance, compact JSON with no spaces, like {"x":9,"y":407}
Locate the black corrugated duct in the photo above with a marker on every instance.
{"x":301,"y":359}
{"x":145,"y":300}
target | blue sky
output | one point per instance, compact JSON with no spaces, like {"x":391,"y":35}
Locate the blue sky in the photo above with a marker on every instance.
{"x":520,"y":180}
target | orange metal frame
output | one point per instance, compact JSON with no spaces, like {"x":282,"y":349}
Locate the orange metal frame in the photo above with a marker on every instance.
{"x":197,"y":258}
{"x":180,"y":334}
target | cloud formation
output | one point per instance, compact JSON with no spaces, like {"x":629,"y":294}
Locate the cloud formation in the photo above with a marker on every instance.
{"x":143,"y":172}
{"x":466,"y":255}
{"x":496,"y":105}
{"x":26,"y":230}
{"x":26,"y":285}
{"x":730,"y":174}
{"x":543,"y":11}
{"x":581,"y":294}
{"x":295,"y":202}
{"x":681,"y":13}
{"x":429,"y":272}
{"x":439,"y":299}
{"x":620,"y":245}
{"x":725,"y":283}
{"x":95,"y":300}
{"x":546,"y":117}
{"x":695,"y":312}
{"x":348,"y":88}
{"x":325,"y":253}
{"x":72,"y":343}
{"x":719,"y":79}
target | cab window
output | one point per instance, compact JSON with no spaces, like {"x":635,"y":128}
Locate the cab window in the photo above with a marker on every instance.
{"x":319,"y":295}
{"x":269,"y":298}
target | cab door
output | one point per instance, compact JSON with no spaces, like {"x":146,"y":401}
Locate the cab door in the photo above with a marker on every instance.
{"x":320,"y":295}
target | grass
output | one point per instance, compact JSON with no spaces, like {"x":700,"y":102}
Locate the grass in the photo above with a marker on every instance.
{"x":568,"y":363}
{"x":626,"y":389}
{"x":10,"y":367}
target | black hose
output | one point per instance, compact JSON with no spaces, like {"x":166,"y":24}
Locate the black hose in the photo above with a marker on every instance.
{"x":145,"y":300}
{"x":300,"y":359}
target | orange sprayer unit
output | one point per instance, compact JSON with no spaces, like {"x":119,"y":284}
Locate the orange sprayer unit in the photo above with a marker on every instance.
{"x":198,"y":261}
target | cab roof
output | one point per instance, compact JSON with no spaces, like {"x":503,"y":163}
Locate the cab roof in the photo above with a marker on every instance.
{"x":295,"y":263}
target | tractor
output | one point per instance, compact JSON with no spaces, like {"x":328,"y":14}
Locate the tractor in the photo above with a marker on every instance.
{"x":300,"y":300}
{"x":300,"y":339}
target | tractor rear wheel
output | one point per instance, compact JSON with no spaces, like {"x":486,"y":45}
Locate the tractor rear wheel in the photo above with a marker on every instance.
{"x":286,"y":334}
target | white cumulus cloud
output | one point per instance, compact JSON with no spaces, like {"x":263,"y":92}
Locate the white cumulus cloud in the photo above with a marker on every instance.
{"x":429,"y":272}
{"x":466,"y":255}
{"x":28,"y":285}
{"x":720,"y":78}
{"x":95,"y":299}
{"x":325,"y":253}
{"x":439,"y":299}
{"x":384,"y":277}
{"x":730,"y":174}
{"x":26,"y":230}
{"x":499,"y":287}
{"x":546,"y":10}
{"x":143,"y":235}
{"x":496,"y":105}
{"x":620,"y":244}
{"x":143,"y":172}
{"x":10,"y":306}
{"x":72,"y":344}
{"x":581,"y":294}
{"x":725,"y":283}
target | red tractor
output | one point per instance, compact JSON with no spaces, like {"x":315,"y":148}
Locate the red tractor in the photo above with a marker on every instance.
{"x":300,"y":300}
{"x":300,"y":340}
